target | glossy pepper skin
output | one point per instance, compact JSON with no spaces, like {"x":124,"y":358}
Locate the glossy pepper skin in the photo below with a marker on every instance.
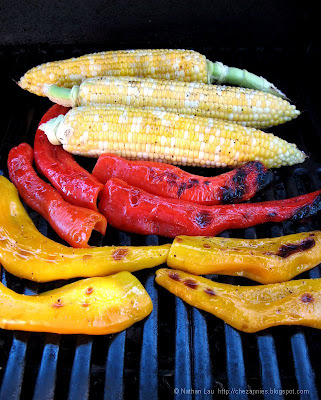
{"x":129,"y":208}
{"x":26,"y":253}
{"x":262,"y":260}
{"x":74,"y":183}
{"x":249,"y":308}
{"x":169,"y":181}
{"x":72,"y":223}
{"x":95,"y":306}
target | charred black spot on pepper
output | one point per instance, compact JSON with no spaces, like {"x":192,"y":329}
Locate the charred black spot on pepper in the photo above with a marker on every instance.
{"x":272,"y":214}
{"x":307,"y":298}
{"x":288,"y":249}
{"x":210,"y":291}
{"x":171,"y":177}
{"x":264,"y":177}
{"x":190,"y":283}
{"x":240,"y":175}
{"x":174,"y":276}
{"x":207,"y":183}
{"x":308,"y":210}
{"x":193,"y":181}
{"x":206,"y":246}
{"x":203,"y":219}
{"x":181,"y":189}
{"x":236,"y":189}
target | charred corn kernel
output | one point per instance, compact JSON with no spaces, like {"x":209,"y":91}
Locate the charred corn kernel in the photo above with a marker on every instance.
{"x":95,"y":306}
{"x":263,"y":260}
{"x":245,"y":106}
{"x":249,"y":308}
{"x":26,"y":253}
{"x":181,"y":65}
{"x":150,"y":134}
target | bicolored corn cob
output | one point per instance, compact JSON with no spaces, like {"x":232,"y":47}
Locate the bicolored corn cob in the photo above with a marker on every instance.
{"x":178,"y":139}
{"x":246,"y":106}
{"x":181,"y":65}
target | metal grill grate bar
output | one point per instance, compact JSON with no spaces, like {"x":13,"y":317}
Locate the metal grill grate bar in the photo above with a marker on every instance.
{"x":236,"y":376}
{"x":114,"y":380}
{"x":148,"y":376}
{"x":46,"y":379}
{"x":303,"y":368}
{"x":182,"y":378}
{"x":80,"y":374}
{"x":270,"y":374}
{"x":13,"y":376}
{"x":201,"y":351}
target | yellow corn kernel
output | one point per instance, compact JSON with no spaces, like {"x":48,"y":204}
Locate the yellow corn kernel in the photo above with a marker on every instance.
{"x":94,"y":130}
{"x":246,"y":106}
{"x":154,"y":63}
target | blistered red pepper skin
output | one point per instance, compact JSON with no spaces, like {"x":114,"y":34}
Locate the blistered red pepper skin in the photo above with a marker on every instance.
{"x":73,"y":224}
{"x":169,"y":181}
{"x":74,"y":183}
{"x":129,"y":208}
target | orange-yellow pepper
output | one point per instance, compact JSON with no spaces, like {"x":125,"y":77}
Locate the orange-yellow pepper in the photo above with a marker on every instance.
{"x":262,"y":260}
{"x":26,"y":253}
{"x":249,"y":308}
{"x":94,"y":306}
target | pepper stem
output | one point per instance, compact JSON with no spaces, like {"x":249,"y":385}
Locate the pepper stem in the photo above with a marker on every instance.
{"x":61,"y":95}
{"x":220,"y":74}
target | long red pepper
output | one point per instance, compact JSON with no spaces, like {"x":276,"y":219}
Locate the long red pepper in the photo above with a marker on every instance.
{"x":74,"y":183}
{"x":129,"y":208}
{"x":73,"y":224}
{"x":169,"y":181}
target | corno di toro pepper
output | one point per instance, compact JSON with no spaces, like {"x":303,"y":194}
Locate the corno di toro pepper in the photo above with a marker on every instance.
{"x":262,"y":260}
{"x":134,"y":210}
{"x":169,"y":181}
{"x":73,"y":224}
{"x":26,"y":253}
{"x":249,"y":308}
{"x":75,"y":184}
{"x":95,"y":306}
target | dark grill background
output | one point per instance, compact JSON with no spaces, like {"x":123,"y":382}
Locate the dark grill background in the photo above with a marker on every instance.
{"x":177,"y":345}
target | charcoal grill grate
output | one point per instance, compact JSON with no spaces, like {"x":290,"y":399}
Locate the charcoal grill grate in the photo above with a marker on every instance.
{"x":177,"y":346}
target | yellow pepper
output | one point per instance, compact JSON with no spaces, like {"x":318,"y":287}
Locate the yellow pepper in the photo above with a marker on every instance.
{"x":94,"y":306}
{"x":249,"y":308}
{"x":262,"y":260}
{"x":26,"y":253}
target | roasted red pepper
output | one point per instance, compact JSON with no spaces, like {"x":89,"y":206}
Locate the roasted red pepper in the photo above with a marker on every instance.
{"x":73,"y":224}
{"x":168,"y":181}
{"x":74,"y":183}
{"x":129,"y":208}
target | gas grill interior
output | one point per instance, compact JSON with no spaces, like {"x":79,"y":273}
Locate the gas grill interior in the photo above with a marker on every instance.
{"x":177,"y":346}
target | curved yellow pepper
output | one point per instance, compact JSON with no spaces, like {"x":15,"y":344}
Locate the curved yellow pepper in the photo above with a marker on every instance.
{"x":249,"y":308}
{"x":94,"y":306}
{"x":26,"y":253}
{"x":262,"y":260}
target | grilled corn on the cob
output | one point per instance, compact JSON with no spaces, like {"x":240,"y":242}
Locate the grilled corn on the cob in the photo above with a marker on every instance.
{"x":182,"y":65}
{"x":246,"y":106}
{"x":168,"y":137}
